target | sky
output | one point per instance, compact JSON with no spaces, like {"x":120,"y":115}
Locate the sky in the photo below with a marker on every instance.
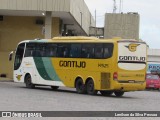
{"x":149,"y":11}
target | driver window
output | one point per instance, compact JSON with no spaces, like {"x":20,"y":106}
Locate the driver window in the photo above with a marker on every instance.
{"x":19,"y":56}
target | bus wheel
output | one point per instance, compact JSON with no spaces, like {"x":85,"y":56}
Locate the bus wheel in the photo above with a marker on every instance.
{"x":90,"y":88}
{"x":106,"y":93}
{"x":80,"y":87}
{"x":54,"y":87}
{"x":28,"y":82}
{"x":118,"y":93}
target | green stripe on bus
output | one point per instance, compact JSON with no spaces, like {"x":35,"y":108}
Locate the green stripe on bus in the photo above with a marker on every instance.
{"x":45,"y":68}
{"x":50,"y":69}
{"x":41,"y":68}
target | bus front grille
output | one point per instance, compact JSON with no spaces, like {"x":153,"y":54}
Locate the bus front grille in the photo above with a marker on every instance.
{"x":105,"y":80}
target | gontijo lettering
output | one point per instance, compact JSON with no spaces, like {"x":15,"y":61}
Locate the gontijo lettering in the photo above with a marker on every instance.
{"x":131,"y":58}
{"x":76,"y":64}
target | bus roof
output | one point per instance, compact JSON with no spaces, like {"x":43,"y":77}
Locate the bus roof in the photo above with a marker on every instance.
{"x":81,"y":39}
{"x":77,"y":39}
{"x":90,"y":39}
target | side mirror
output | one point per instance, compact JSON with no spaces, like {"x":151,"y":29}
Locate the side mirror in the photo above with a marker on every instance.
{"x":10,"y":55}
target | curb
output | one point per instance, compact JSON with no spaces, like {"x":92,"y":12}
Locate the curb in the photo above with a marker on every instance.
{"x":6,"y":80}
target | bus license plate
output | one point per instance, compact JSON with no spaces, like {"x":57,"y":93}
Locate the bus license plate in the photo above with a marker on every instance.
{"x":151,"y":85}
{"x":131,"y":81}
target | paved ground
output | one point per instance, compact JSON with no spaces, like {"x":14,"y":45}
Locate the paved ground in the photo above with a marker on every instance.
{"x":15,"y":97}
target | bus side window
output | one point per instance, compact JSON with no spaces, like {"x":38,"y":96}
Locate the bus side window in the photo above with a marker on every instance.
{"x":63,"y":50}
{"x":98,"y":51}
{"x":59,"y":52}
{"x":75,"y":50}
{"x":42,"y":50}
{"x":87,"y":51}
{"x":39,"y":51}
{"x":30,"y":48}
{"x":108,"y":50}
{"x":84,"y":53}
{"x":106,"y":53}
{"x":51,"y":50}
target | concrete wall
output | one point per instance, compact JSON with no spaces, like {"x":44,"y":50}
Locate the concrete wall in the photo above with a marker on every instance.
{"x":78,"y":7}
{"x":6,"y":67}
{"x":72,"y":6}
{"x":55,"y":27}
{"x":40,"y":5}
{"x":14,"y":29}
{"x":121,"y":25}
{"x":154,"y":55}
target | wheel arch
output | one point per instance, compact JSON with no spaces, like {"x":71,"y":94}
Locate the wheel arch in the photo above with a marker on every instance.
{"x":26,"y":76}
{"x":89,"y":78}
{"x":78,"y":77}
{"x":85,"y":82}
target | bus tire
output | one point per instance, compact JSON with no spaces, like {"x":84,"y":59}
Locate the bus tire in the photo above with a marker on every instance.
{"x":54,"y":87}
{"x":90,"y":88}
{"x":80,"y":87}
{"x":106,"y":93}
{"x":119,"y":93}
{"x":28,"y":82}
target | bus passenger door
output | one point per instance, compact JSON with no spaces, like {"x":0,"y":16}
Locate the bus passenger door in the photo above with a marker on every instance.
{"x":18,"y":70}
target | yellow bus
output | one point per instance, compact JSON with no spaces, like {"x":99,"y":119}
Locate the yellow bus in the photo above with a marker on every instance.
{"x":86,"y":63}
